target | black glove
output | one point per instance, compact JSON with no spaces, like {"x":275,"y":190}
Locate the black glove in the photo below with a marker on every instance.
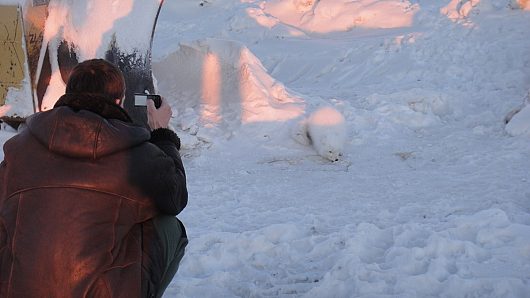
{"x":165,"y":134}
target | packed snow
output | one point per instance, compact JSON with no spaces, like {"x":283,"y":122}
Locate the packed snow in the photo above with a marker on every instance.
{"x":430,"y":197}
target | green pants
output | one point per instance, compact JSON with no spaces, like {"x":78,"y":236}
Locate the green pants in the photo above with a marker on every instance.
{"x":163,"y":243}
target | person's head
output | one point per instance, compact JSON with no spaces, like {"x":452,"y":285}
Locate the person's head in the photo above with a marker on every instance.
{"x":97,"y":76}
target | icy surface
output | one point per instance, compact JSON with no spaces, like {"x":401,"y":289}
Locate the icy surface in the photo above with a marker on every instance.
{"x":431,"y":197}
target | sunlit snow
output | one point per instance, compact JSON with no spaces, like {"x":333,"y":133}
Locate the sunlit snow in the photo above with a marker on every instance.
{"x":430,"y":197}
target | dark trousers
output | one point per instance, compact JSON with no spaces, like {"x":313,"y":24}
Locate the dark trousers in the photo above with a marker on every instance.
{"x":164,"y":240}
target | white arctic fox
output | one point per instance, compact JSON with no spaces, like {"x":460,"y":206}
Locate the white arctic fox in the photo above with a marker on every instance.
{"x":325,"y":129}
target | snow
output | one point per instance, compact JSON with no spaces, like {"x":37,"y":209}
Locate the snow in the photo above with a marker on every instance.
{"x":227,"y":82}
{"x":329,"y":16}
{"x":106,"y":18}
{"x":430,"y":197}
{"x":520,"y":123}
{"x":109,"y":21}
{"x":17,"y":103}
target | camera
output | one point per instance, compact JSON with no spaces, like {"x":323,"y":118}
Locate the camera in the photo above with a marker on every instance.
{"x":141,"y":100}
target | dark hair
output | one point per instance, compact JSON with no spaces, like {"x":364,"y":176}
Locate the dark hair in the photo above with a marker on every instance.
{"x":96,"y":76}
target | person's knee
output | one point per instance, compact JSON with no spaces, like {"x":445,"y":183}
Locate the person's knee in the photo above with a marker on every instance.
{"x":169,"y":224}
{"x":165,"y":220}
{"x":171,"y":233}
{"x":169,"y":244}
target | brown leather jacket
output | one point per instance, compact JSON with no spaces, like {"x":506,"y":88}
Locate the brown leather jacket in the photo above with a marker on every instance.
{"x":75,"y":187}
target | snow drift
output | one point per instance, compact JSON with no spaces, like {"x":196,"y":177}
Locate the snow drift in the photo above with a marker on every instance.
{"x":220,"y":83}
{"x":326,"y":16}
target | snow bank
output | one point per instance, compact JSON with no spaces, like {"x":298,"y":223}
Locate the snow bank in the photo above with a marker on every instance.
{"x":411,"y":109}
{"x":220,"y":84}
{"x":412,"y":259}
{"x":327,"y":16}
{"x":461,"y":10}
{"x":436,"y":262}
{"x":458,"y":9}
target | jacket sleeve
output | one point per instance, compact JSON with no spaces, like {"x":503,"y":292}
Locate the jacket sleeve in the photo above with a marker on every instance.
{"x":175,"y":198}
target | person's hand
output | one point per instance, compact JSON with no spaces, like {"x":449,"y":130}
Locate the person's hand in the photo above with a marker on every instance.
{"x":158,"y":118}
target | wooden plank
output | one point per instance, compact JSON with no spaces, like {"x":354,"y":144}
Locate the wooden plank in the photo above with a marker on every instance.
{"x":8,"y":22}
{"x":34,"y":21}
{"x":12,"y":54}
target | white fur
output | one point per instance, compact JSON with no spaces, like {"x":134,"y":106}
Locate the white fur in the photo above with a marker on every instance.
{"x":326,"y":128}
{"x":299,"y":132}
{"x":520,"y":4}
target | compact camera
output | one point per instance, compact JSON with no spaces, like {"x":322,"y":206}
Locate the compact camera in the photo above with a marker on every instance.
{"x":140,"y":100}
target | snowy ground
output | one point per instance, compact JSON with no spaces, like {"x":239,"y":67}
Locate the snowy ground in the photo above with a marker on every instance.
{"x":431,"y":197}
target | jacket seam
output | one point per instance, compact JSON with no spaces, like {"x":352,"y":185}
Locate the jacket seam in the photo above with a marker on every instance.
{"x":95,"y":147}
{"x":74,"y":187}
{"x":116,"y":216}
{"x":3,"y":224}
{"x":120,"y":266}
{"x":13,"y":246}
{"x":53,"y":133}
{"x":5,"y":245}
{"x":106,"y":282}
